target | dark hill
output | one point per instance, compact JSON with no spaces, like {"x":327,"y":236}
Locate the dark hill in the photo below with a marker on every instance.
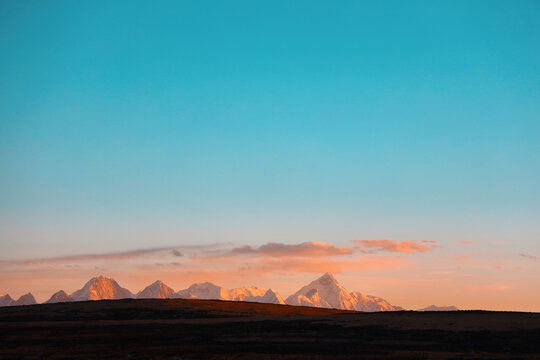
{"x":206,"y":329}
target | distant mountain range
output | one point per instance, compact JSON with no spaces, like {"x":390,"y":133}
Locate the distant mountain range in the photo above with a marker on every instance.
{"x":28,"y":299}
{"x":439,"y":308}
{"x":324,"y":292}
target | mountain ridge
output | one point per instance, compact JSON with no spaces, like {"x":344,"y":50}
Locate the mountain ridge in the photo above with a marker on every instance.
{"x":323,"y":292}
{"x":327,"y":292}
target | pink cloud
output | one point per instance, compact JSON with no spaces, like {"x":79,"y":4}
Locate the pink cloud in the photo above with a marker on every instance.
{"x":388,"y":245}
{"x":466,"y":242}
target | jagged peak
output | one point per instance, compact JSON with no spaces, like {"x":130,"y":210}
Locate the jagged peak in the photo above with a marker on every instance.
{"x":26,"y":299}
{"x":59,"y":294}
{"x":158,"y":284}
{"x":326,"y":280}
{"x":98,"y":279}
{"x":328,"y":277}
{"x":205,"y":284}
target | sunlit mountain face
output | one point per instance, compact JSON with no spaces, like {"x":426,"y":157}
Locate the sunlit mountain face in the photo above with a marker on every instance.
{"x":327,"y":292}
{"x":323,"y":292}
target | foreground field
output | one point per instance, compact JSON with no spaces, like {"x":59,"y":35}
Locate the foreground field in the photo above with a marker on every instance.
{"x":199,"y":329}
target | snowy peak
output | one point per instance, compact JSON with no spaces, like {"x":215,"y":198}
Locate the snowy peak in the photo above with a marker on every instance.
{"x":27,"y":299}
{"x":327,"y":292}
{"x":156,"y":290}
{"x":373,"y":303}
{"x":6,"y":300}
{"x":272,"y":297}
{"x":439,"y":308}
{"x":250,"y":293}
{"x":323,"y":292}
{"x":269,"y":296}
{"x":206,"y":290}
{"x":99,"y":288}
{"x":327,"y":277}
{"x":60,"y":296}
{"x":210,"y":291}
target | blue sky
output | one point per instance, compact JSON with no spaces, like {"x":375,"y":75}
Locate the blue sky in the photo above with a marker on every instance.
{"x":133,"y":124}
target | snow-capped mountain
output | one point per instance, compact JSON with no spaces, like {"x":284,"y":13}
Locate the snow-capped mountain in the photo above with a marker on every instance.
{"x":99,"y":288}
{"x":60,"y":296}
{"x":27,"y":299}
{"x":204,"y":291}
{"x":156,"y":290}
{"x":373,"y":303}
{"x":244,"y":293}
{"x":327,"y":292}
{"x":269,"y":297}
{"x":439,"y":308}
{"x":6,"y":300}
{"x":210,"y":291}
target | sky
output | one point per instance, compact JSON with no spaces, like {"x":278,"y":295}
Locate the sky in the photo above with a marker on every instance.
{"x":395,"y":144}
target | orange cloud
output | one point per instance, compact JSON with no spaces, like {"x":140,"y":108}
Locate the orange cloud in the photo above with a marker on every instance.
{"x":305,"y":249}
{"x":335,"y":266}
{"x":263,"y":265}
{"x":466,"y":242}
{"x":388,"y":245}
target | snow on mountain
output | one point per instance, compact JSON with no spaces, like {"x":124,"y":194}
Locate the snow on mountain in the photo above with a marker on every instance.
{"x":244,"y":293}
{"x":60,"y":296}
{"x":156,"y":290}
{"x":327,"y":292}
{"x":210,"y":291}
{"x":324,"y":292}
{"x":205,"y":291}
{"x":27,"y":299}
{"x":6,"y":300}
{"x":373,"y":303}
{"x":269,"y":297}
{"x":99,"y":288}
{"x":439,"y":308}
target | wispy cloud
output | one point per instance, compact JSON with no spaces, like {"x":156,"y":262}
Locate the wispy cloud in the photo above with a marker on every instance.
{"x":305,"y":249}
{"x":528,"y":256}
{"x":388,"y":245}
{"x":124,"y":255}
{"x":156,"y":254}
{"x":467,"y":242}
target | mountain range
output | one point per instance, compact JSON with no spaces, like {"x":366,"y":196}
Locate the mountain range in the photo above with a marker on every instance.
{"x":324,"y":292}
{"x":439,"y":308}
{"x":28,"y":299}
